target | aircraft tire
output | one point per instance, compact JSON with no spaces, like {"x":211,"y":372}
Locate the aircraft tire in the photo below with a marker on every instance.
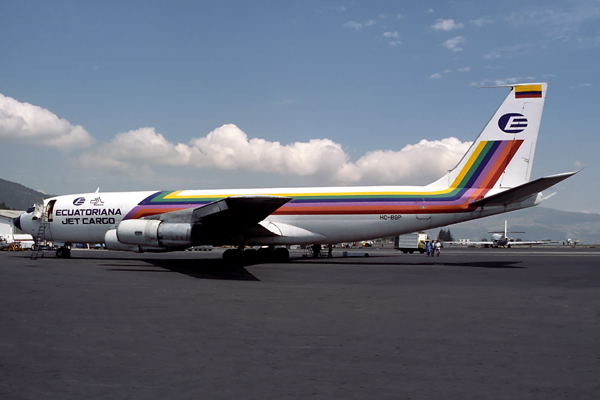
{"x":63,"y":252}
{"x":250,"y":256}
{"x":232,"y":257}
{"x":281,"y":255}
{"x":264,"y":255}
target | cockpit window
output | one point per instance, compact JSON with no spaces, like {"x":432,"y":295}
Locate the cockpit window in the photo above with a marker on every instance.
{"x":30,"y":209}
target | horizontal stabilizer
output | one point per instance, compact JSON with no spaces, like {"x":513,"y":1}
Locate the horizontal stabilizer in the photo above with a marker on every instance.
{"x":522,"y":192}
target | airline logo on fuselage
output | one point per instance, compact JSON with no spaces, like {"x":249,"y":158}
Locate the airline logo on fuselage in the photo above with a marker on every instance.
{"x":97,"y":201}
{"x":98,"y":216}
{"x":66,"y":212}
{"x":81,"y":200}
{"x":512,"y":123}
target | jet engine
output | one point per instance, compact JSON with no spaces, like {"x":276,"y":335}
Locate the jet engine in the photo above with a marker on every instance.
{"x":141,"y":234}
{"x":112,"y":243}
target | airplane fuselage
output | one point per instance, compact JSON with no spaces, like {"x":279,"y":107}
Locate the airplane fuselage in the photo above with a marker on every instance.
{"x":316,"y":215}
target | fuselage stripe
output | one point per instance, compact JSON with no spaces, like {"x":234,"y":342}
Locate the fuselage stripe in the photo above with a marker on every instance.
{"x":479,"y":174}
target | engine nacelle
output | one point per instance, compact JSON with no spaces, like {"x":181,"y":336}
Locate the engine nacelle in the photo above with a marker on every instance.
{"x":138,"y":231}
{"x":153,"y":233}
{"x":112,"y":243}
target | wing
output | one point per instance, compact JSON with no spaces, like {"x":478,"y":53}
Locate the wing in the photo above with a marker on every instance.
{"x":471,"y":243}
{"x":539,"y":242}
{"x":244,"y":210}
{"x":227,"y":220}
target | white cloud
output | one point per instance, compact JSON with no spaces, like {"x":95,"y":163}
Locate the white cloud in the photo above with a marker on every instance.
{"x":225,"y":148}
{"x":567,"y":25}
{"x":446,"y":25}
{"x":134,"y":153}
{"x":502,"y":81}
{"x":492,"y":56}
{"x":393,"y":35}
{"x":145,"y":153}
{"x":24,"y":122}
{"x":479,"y":22}
{"x":493,"y":67}
{"x":335,"y":8}
{"x":359,"y":25}
{"x":355,"y":25}
{"x":422,"y":162}
{"x":508,"y":51}
{"x":439,"y":75}
{"x":453,"y":44}
{"x":229,"y":148}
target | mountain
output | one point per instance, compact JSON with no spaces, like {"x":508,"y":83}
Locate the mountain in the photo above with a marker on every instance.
{"x":17,"y":196}
{"x":538,"y":223}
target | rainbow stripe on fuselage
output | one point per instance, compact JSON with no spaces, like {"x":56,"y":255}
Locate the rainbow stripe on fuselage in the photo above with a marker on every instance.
{"x":480,"y":173}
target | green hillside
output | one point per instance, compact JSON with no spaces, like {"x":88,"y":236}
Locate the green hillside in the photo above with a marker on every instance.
{"x":18,"y":197}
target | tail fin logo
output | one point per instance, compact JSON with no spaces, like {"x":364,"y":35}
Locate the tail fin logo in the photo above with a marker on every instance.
{"x":512,"y":123}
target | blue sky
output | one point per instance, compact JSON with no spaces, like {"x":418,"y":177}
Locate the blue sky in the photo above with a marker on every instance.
{"x":171,"y":95}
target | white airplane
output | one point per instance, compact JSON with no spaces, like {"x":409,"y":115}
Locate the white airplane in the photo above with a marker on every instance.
{"x":493,"y":177}
{"x":501,"y":239}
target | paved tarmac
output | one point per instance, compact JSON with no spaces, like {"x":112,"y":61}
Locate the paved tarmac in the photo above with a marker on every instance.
{"x":471,"y":324}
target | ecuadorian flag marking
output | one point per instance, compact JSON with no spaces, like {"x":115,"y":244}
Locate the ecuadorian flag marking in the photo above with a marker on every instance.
{"x":528,"y":92}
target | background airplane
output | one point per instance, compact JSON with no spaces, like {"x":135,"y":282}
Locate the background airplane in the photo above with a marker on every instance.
{"x":501,"y":239}
{"x":493,"y":177}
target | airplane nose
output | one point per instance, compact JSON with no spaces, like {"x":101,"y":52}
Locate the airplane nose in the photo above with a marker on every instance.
{"x":17,"y":222}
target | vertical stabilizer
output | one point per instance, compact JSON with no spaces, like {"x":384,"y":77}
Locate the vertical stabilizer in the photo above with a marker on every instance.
{"x":502,"y":155}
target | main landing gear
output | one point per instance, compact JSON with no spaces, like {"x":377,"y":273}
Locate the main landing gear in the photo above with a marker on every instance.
{"x":63,"y":252}
{"x":254,"y":256}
